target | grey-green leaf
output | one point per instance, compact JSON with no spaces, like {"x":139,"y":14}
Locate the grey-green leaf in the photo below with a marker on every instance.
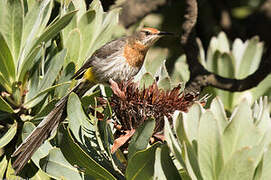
{"x":73,"y":45}
{"x":242,"y":164}
{"x":219,"y":113}
{"x":251,"y":57}
{"x":76,"y":155}
{"x":78,"y":121}
{"x":57,"y":166}
{"x":210,"y":155}
{"x":141,"y":165}
{"x":141,"y":137}
{"x":28,"y":63}
{"x":9,"y":135}
{"x":164,"y":167}
{"x":3,"y":166}
{"x":53,"y":29}
{"x":45,"y":84}
{"x":173,"y":144}
{"x":12,"y":25}
{"x":236,"y":134}
{"x":4,"y":106}
{"x":7,"y":67}
{"x":146,"y":80}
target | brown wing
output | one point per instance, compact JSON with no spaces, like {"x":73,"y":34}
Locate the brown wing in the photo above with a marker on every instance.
{"x":102,"y":53}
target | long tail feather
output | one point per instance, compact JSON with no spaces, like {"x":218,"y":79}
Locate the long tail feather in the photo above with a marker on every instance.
{"x":42,"y":132}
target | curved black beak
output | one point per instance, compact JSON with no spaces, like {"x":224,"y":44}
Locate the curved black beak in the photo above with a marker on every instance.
{"x":162,"y":33}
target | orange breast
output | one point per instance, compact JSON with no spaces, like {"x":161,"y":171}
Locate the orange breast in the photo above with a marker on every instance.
{"x":135,"y":54}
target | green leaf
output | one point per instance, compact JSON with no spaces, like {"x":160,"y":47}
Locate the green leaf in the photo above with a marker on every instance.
{"x":4,"y":106}
{"x":225,"y":68}
{"x":53,"y":29}
{"x":146,"y":80}
{"x":12,"y":25}
{"x":219,"y":113}
{"x":53,"y":70}
{"x":65,"y":76}
{"x":7,"y":67}
{"x":57,"y":166}
{"x":173,"y":144}
{"x":180,"y":71}
{"x":89,"y":100}
{"x":46,"y":17}
{"x":210,"y":155}
{"x":80,"y":6}
{"x":10,"y":173}
{"x":263,"y":120}
{"x":164,"y":84}
{"x":187,"y":123}
{"x":36,"y":99}
{"x":41,"y":175}
{"x":141,"y":165}
{"x":240,"y":132}
{"x":141,"y":137}
{"x":76,"y":155}
{"x":78,"y":121}
{"x":251,"y":58}
{"x":109,"y":22}
{"x":242,"y":164}
{"x":28,"y":63}
{"x":6,"y":84}
{"x":43,"y":150}
{"x":73,"y":24}
{"x":192,"y":165}
{"x":73,"y":45}
{"x":45,"y":84}
{"x":3,"y":167}
{"x":96,"y":28}
{"x":212,"y":61}
{"x":189,"y":137}
{"x":164,"y":167}
{"x":263,"y":88}
{"x":30,"y":38}
{"x":164,"y":79}
{"x":44,"y":111}
{"x":162,"y":71}
{"x":97,"y":6}
{"x":266,"y":163}
{"x":85,"y":132}
{"x":220,"y":43}
{"x":258,"y":171}
{"x":36,"y":19}
{"x":87,"y":29}
{"x":9,"y":135}
{"x":154,"y":59}
{"x":99,"y":13}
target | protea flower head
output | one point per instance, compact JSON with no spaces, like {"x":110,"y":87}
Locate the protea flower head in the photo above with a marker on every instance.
{"x":132,"y":106}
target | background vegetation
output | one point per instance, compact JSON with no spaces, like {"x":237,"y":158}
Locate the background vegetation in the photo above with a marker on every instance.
{"x":42,"y":44}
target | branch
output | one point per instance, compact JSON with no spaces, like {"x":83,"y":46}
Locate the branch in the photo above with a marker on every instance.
{"x":133,"y":10}
{"x":241,"y":84}
{"x":199,"y":76}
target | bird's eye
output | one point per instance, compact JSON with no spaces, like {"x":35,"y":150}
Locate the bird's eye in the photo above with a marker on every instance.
{"x":147,"y":32}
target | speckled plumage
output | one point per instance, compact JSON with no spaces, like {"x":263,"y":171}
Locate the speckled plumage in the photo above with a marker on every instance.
{"x":120,"y":59}
{"x":108,"y":62}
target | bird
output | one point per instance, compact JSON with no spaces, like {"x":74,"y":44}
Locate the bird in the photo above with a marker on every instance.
{"x":118,"y":60}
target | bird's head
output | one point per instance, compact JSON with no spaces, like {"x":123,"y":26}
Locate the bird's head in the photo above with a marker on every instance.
{"x":148,"y":36}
